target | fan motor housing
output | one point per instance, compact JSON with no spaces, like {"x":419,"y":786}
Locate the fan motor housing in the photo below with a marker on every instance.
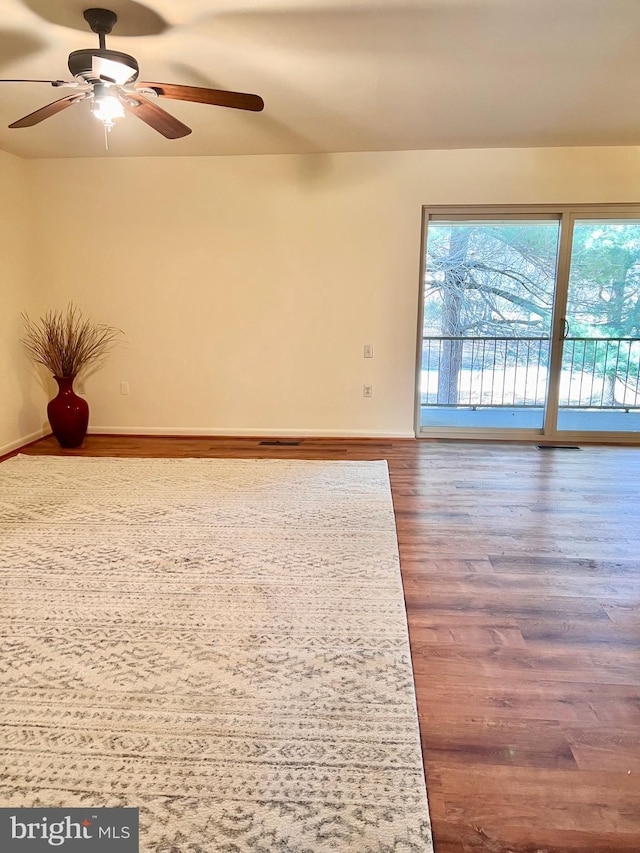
{"x":81,"y":62}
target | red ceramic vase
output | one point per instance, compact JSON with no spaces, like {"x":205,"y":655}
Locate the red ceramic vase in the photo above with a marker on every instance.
{"x":68,"y":414}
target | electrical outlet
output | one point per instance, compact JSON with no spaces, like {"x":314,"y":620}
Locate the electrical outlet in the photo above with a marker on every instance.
{"x":367,"y":390}
{"x":124,"y":387}
{"x":368,"y":350}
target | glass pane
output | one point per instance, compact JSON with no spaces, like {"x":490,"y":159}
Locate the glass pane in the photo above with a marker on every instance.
{"x":599,"y":386}
{"x":488,"y":301}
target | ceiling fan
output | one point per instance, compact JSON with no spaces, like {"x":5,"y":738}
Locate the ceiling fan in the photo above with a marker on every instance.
{"x":109,"y":79}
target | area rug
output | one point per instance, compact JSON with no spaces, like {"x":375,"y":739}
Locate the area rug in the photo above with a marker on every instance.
{"x":219,"y":643}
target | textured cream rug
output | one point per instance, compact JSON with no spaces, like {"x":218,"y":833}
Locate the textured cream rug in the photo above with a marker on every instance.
{"x":221,"y":643}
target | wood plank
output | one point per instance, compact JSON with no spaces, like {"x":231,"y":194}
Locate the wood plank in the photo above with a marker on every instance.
{"x":441,"y":576}
{"x":472,"y":741}
{"x":604,"y":707}
{"x":600,"y":666}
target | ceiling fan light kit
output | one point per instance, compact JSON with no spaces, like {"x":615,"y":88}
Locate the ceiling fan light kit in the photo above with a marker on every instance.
{"x":109,"y":79}
{"x":106,"y":107}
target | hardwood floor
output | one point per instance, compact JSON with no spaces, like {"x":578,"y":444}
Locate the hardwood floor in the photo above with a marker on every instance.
{"x":522,"y":581}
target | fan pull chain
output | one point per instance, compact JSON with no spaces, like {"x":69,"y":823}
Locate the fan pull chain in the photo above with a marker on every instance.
{"x":106,"y":137}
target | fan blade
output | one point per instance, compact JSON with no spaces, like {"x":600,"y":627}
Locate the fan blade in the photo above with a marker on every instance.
{"x":51,"y":82}
{"x":198,"y":95}
{"x":112,"y":72}
{"x":46,"y":112}
{"x":156,"y":117}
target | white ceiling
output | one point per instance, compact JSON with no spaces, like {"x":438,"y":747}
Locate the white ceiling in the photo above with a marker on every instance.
{"x":339,"y":75}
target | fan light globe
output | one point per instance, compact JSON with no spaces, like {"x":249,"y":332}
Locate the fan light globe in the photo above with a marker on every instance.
{"x":107,"y":108}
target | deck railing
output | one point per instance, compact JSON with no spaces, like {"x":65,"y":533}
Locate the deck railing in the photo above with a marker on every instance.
{"x":596,"y":373}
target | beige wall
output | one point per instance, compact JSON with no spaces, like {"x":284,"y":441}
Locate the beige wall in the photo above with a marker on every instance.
{"x":21,"y":414}
{"x":247,"y":286}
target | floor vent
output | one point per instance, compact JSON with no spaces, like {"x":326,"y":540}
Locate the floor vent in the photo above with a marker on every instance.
{"x":279,"y":443}
{"x":558,"y":447}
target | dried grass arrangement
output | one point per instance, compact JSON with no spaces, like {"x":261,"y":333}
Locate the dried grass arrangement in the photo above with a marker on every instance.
{"x":65,"y":342}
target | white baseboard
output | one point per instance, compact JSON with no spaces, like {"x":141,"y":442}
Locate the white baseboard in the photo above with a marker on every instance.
{"x":241,"y":432}
{"x":21,"y":442}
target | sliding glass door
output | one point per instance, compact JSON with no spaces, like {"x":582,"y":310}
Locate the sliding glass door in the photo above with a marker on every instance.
{"x":529,"y":323}
{"x":600,"y":386}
